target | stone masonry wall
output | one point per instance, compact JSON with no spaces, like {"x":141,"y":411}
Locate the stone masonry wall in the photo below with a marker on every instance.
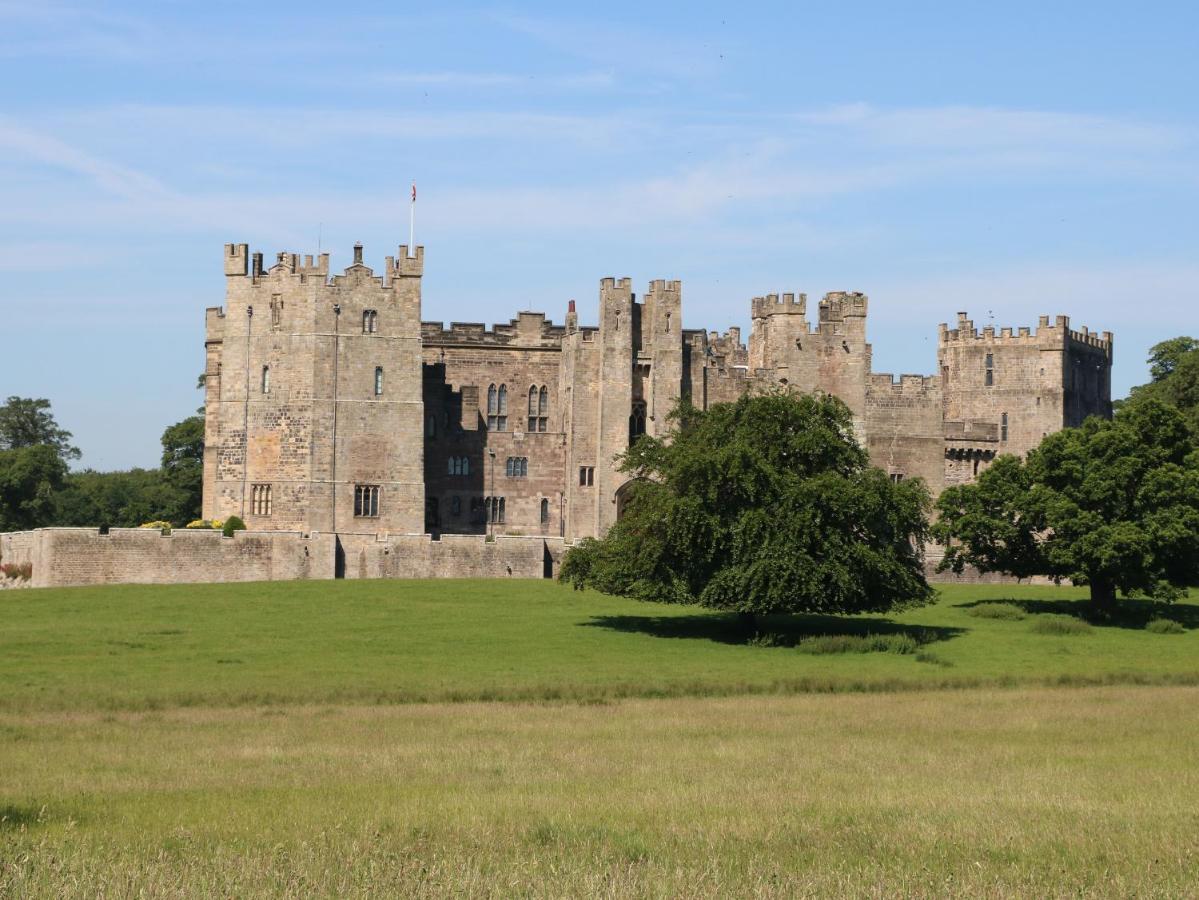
{"x":453,"y":556}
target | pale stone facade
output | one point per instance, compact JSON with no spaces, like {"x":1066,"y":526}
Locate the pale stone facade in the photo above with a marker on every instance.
{"x":332,"y":408}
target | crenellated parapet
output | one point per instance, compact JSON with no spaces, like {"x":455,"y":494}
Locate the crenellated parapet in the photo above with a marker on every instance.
{"x":912,"y":387}
{"x":1057,"y":334}
{"x":838,"y":306}
{"x":529,"y":329}
{"x":779,"y":305}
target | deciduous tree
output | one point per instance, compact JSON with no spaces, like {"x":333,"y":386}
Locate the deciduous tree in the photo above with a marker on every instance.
{"x":766,"y":505}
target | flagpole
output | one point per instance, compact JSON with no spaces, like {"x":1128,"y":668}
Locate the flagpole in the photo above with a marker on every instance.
{"x":412,"y":224}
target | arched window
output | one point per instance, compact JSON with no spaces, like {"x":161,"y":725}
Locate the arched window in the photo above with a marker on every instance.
{"x":668,"y":323}
{"x":452,"y":465}
{"x":266,"y":379}
{"x":497,"y":408}
{"x":455,"y":505}
{"x":545,"y":511}
{"x":378,"y":381}
{"x":370,"y":321}
{"x":466,"y":465}
{"x":637,"y":421}
{"x":543,"y":408}
{"x":431,"y":427}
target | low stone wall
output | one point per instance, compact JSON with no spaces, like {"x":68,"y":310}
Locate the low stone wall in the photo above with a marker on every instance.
{"x":77,"y":556}
{"x":453,"y":556}
{"x":63,"y":557}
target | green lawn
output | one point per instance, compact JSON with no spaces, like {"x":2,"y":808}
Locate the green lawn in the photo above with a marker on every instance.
{"x":139,"y":647}
{"x":295,"y":740}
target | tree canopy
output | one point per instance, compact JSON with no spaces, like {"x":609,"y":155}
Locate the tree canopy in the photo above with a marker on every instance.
{"x":1112,"y":504}
{"x":765,"y":505}
{"x":30,"y":478}
{"x":1174,"y":378}
{"x":25,"y":422}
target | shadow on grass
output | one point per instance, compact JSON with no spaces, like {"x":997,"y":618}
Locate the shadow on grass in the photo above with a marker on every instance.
{"x":1127,"y":614}
{"x":14,"y":818}
{"x":783,"y":630}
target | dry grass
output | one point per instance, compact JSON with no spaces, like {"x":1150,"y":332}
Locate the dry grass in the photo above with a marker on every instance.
{"x":1035,"y":792}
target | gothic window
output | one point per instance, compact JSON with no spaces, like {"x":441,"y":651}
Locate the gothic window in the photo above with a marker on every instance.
{"x":896,"y":477}
{"x":586,"y":476}
{"x":517,"y":467}
{"x":497,"y":408}
{"x":266,"y":379}
{"x":452,"y":466}
{"x":495,"y":510}
{"x":366,"y":501}
{"x":459,"y":465}
{"x":668,"y":323}
{"x":990,"y":379}
{"x":370,"y":321}
{"x":545,"y":511}
{"x":260,"y":500}
{"x":637,"y":421}
{"x":539,"y":405}
{"x":456,"y":505}
{"x":431,"y":427}
{"x":1003,"y":427}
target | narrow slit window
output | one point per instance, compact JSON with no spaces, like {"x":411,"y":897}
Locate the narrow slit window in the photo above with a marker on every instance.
{"x":378,"y":381}
{"x":266,"y":379}
{"x":990,"y":370}
{"x":1003,"y":427}
{"x":545,"y":511}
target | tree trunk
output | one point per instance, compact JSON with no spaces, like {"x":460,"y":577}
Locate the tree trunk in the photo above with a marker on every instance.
{"x":1103,"y":597}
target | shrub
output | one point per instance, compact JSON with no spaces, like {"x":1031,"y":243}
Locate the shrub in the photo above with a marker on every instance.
{"x":858,"y":643}
{"x":232,"y":524}
{"x":1057,"y":624}
{"x":1006,"y":611}
{"x":24,"y":570}
{"x":216,"y":524}
{"x":1164,"y":626}
{"x":164,"y":527}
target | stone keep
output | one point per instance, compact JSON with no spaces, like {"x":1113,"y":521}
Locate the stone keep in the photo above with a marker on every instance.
{"x":313,"y":395}
{"x":320,"y":388}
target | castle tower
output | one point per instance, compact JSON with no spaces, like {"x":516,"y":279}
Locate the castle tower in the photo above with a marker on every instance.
{"x":313,"y":401}
{"x":1004,"y":391}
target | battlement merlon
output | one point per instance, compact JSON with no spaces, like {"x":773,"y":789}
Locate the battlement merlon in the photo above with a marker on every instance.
{"x":406,"y":266}
{"x":910,"y":386}
{"x":237,"y":259}
{"x":214,"y":324}
{"x":1059,"y":334}
{"x":776,"y":305}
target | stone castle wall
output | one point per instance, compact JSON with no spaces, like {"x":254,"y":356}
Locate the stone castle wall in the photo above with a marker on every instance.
{"x":65,"y":557}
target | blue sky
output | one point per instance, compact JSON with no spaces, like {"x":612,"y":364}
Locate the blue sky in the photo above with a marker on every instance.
{"x":1005,"y":159}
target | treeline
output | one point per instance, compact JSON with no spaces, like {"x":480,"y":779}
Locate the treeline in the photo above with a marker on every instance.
{"x":37,"y":488}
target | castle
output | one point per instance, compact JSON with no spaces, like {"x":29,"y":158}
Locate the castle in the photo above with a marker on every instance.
{"x":332,"y":408}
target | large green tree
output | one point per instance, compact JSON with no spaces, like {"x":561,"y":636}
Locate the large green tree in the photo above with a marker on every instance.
{"x":1112,"y":504}
{"x":25,"y":422}
{"x":1174,"y":378}
{"x":30,"y":477}
{"x":183,"y":463}
{"x":766,"y":505}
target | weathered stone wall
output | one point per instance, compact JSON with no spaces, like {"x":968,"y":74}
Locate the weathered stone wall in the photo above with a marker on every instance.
{"x":463,"y":363}
{"x":903,"y":428}
{"x":17,"y":547}
{"x":78,"y":556}
{"x":64,"y":557}
{"x":453,"y":556}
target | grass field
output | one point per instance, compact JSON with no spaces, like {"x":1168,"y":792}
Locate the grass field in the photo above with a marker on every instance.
{"x":296,"y":739}
{"x":139,"y":647}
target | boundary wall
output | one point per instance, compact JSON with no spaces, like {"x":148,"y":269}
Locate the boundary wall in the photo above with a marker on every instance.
{"x":63,"y":557}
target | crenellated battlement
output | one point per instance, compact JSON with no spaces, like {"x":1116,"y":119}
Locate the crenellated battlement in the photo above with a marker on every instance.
{"x":836,"y":306}
{"x":779,"y":305}
{"x":612,"y":284}
{"x":529,"y":329}
{"x":239,"y":262}
{"x":1045,"y":334}
{"x":905,"y":386}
